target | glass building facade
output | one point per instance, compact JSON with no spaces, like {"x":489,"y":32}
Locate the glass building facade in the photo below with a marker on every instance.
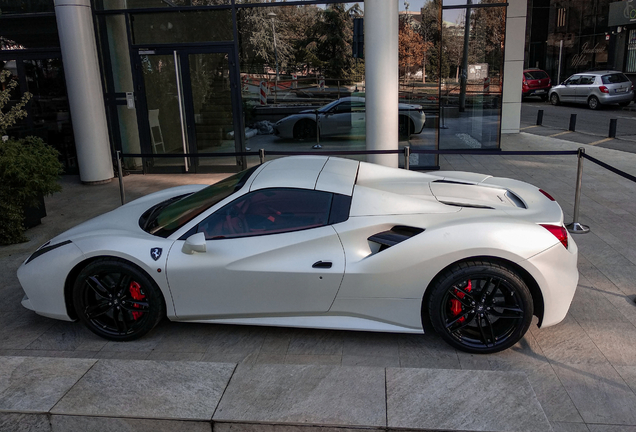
{"x":213,"y":77}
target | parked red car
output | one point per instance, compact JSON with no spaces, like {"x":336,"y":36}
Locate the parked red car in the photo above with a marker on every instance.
{"x":535,"y":83}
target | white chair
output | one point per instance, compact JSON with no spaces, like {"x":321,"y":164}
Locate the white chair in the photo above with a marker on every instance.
{"x":155,"y":131}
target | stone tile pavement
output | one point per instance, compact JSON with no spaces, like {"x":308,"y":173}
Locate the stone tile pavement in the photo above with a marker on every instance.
{"x":577,"y":376}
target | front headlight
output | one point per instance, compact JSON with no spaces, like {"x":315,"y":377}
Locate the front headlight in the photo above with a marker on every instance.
{"x":44,"y":249}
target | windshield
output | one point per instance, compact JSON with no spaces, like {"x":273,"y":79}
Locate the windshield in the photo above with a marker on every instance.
{"x":329,"y":106}
{"x":535,"y":75}
{"x":176,"y":214}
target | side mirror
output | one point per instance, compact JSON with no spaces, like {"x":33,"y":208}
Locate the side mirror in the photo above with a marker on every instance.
{"x":194,"y":243}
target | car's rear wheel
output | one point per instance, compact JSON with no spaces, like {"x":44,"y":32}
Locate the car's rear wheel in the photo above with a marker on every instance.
{"x":480,"y":307}
{"x":305,"y":129}
{"x":593,"y":103}
{"x":116,"y":300}
{"x":406,"y":127}
{"x":554,"y":99}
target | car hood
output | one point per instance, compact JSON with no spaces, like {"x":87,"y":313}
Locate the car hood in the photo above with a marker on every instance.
{"x":123,"y":220}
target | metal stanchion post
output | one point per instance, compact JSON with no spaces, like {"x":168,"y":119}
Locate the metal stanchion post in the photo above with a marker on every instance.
{"x":122,"y":193}
{"x":317,"y":145}
{"x":575,"y":227}
{"x":539,"y":117}
{"x":407,"y":157}
{"x":441,"y":110}
{"x":261,"y":155}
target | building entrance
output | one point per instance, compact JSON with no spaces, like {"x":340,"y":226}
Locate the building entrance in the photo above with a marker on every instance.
{"x":190,"y":106}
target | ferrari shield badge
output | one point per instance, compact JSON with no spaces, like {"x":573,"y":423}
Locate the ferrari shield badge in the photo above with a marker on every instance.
{"x":155,"y":253}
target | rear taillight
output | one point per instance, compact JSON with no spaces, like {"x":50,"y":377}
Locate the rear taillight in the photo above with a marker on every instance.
{"x":547,"y":194}
{"x":603,"y":89}
{"x":550,"y":82}
{"x":525,"y":83}
{"x":559,"y":232}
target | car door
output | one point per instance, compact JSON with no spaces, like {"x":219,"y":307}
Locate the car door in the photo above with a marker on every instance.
{"x":271,"y":251}
{"x":568,"y":92}
{"x":337,"y":121}
{"x":584,"y":89}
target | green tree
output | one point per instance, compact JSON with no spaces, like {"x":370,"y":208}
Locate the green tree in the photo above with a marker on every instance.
{"x":333,"y":35}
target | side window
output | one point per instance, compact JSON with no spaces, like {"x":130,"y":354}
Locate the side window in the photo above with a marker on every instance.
{"x":269,"y":211}
{"x":587,"y":80}
{"x":344,"y":107}
{"x":573,"y":80}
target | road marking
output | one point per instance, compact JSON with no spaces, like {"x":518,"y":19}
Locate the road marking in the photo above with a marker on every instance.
{"x":528,"y":127}
{"x":626,"y":118}
{"x":560,"y":133}
{"x":601,"y":141}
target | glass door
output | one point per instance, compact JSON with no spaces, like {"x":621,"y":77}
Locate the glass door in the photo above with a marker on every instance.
{"x":189,"y":108}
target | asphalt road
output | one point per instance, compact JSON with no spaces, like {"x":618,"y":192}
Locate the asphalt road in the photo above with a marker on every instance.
{"x":592,"y":127}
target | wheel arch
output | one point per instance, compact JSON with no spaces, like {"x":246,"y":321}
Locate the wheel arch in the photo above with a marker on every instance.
{"x":75,"y":271}
{"x":531,"y":283}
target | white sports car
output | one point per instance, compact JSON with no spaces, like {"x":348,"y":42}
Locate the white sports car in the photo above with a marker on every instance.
{"x":343,"y":117}
{"x":318,"y":242}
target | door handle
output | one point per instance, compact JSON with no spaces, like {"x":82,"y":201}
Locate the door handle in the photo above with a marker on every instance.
{"x":322,"y":264}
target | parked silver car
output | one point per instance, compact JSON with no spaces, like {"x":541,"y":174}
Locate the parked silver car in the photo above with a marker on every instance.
{"x":594,"y":89}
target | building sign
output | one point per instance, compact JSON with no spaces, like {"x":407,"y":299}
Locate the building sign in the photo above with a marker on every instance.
{"x":622,"y":13}
{"x":584,"y":57}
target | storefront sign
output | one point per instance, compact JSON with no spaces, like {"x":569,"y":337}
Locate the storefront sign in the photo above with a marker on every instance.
{"x":582,"y":58}
{"x":622,"y":13}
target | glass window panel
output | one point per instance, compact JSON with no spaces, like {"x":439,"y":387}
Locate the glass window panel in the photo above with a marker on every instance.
{"x":419,"y":41}
{"x":471,"y":98}
{"x":118,"y":49}
{"x":31,"y":32}
{"x":311,"y":49}
{"x":466,"y":2}
{"x":8,"y":7}
{"x":147,"y":4}
{"x":182,"y":27}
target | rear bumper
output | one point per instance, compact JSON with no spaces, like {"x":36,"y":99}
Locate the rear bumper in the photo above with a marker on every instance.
{"x":555,"y":270}
{"x":616,"y":98}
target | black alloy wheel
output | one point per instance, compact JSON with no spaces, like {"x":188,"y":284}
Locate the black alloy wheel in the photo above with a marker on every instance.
{"x":406,"y":127}
{"x":554,"y":99}
{"x":480,"y":307}
{"x":305,"y":129}
{"x":116,"y":300}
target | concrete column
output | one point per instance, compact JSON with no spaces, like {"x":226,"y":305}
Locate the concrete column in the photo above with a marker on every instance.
{"x":382,"y":79}
{"x":83,"y":83}
{"x":514,"y":65}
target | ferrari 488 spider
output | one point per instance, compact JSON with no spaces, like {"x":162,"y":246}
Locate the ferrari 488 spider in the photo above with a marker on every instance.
{"x":318,"y":242}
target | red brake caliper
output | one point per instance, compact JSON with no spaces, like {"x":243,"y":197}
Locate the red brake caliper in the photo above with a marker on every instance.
{"x":135,"y":293}
{"x":456,"y":305}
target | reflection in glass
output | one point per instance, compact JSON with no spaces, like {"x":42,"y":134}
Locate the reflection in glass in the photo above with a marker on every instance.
{"x":32,"y":32}
{"x":182,"y":27}
{"x":10,"y":7}
{"x":472,"y":112}
{"x":418,"y":45}
{"x":144,"y":4}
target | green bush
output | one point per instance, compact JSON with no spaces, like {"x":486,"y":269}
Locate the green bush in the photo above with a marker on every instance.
{"x":29,"y":169}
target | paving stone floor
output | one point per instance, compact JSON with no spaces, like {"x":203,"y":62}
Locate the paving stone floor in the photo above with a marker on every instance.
{"x":582,"y":371}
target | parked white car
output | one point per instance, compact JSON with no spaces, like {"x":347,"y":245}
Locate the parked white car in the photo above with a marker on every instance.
{"x":318,"y":242}
{"x":343,"y":117}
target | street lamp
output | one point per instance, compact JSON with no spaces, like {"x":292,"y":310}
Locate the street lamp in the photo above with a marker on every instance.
{"x":273,"y":15}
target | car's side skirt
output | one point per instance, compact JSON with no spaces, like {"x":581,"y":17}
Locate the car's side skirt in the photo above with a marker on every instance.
{"x":328,"y":322}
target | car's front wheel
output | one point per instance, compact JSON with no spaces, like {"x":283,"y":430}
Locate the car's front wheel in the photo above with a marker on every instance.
{"x":554,"y":99}
{"x":480,"y":307}
{"x":593,"y":103}
{"x":116,"y":300}
{"x":305,"y":129}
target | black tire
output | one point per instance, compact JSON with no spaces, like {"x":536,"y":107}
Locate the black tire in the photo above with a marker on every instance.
{"x":305,"y":129}
{"x":480,"y":307}
{"x":593,"y":103}
{"x":117,"y":300}
{"x":554,"y":99}
{"x":406,"y":127}
{"x":544,"y":98}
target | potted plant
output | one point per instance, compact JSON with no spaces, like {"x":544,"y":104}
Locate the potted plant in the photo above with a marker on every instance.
{"x":29,"y":169}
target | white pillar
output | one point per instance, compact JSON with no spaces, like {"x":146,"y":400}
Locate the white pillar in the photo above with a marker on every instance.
{"x":83,"y":83}
{"x":382,"y":80}
{"x":513,"y":66}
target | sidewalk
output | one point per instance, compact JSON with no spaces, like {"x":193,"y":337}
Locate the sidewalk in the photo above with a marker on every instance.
{"x":578,"y":376}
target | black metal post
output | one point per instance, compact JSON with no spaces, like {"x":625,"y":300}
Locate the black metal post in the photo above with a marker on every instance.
{"x":612,"y":128}
{"x":539,"y":117}
{"x":122,"y":193}
{"x":407,"y":157}
{"x":572,"y":122}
